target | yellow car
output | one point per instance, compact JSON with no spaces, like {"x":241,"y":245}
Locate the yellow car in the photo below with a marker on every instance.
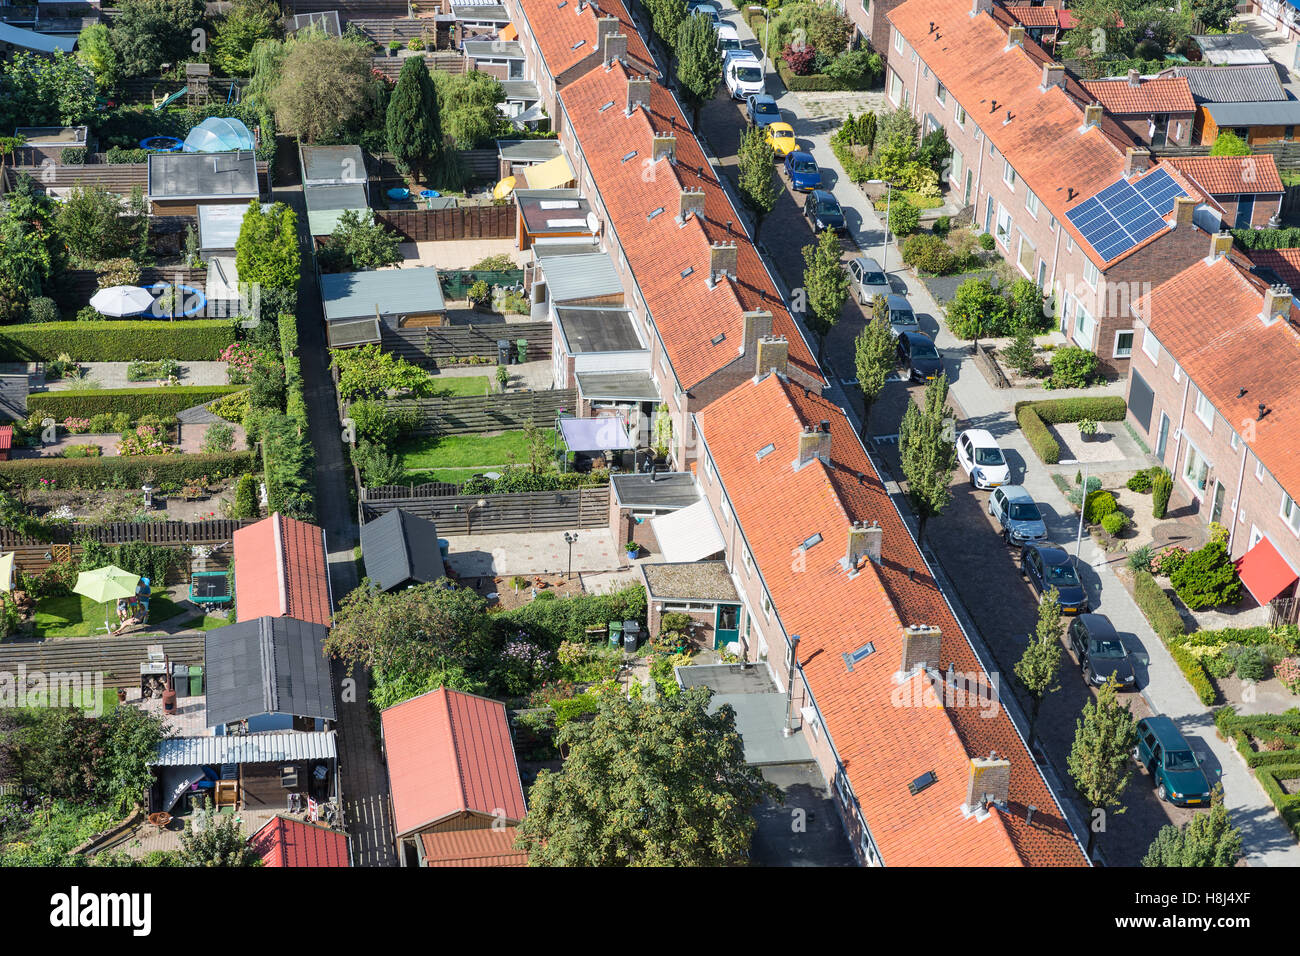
{"x":780,"y":136}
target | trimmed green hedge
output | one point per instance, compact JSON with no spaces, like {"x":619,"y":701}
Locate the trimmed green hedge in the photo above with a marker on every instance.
{"x":128,"y":472}
{"x":120,"y":340}
{"x":1047,"y":448}
{"x":1168,"y":625}
{"x":1287,"y":238}
{"x":1270,"y":766}
{"x":87,"y":403}
{"x":1034,"y":417}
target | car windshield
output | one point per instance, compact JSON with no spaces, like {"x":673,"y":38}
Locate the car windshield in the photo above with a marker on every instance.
{"x":1023,"y":511}
{"x":921,"y":348}
{"x":873,"y":278}
{"x":805,"y":166}
{"x":767,"y":109}
{"x":1180,"y":760}
{"x":1108,"y":648}
{"x":902,"y":318}
{"x":828,"y":207}
{"x":1061,"y":574}
{"x":729,"y":43}
{"x":989,"y":456}
{"x":748,"y":74}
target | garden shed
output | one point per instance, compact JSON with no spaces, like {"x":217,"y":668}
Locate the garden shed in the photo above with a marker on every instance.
{"x":268,"y":674}
{"x":281,"y":571}
{"x":401,"y":550}
{"x":399,"y":298}
{"x":178,"y":183}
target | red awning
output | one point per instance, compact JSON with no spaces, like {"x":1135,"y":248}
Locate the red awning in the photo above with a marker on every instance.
{"x":6,"y":437}
{"x":1265,"y":572}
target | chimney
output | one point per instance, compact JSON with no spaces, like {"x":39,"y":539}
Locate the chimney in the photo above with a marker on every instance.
{"x":1015,"y":37}
{"x":864,"y":542}
{"x":1220,"y":245}
{"x":1184,"y":207}
{"x":921,"y":645}
{"x":773,"y":355}
{"x":638,"y":93}
{"x":722,"y":261}
{"x":614,"y":47}
{"x":1053,"y":75}
{"x":814,"y":442}
{"x":980,"y":6}
{"x":1136,"y":161}
{"x":663,"y":145}
{"x":1277,"y":304}
{"x":1091,"y":116}
{"x":990,"y":782}
{"x":756,"y":325}
{"x":691,"y":202}
{"x":605,"y":27}
{"x":1134,"y":78}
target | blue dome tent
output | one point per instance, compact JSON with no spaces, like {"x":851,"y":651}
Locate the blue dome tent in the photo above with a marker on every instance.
{"x":218,"y":135}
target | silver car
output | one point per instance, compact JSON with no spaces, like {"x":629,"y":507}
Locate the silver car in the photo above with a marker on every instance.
{"x":1017,"y":515}
{"x":869,"y":280}
{"x":901,"y":316}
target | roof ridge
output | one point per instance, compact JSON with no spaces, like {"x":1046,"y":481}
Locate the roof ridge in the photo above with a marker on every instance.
{"x":453,"y":740}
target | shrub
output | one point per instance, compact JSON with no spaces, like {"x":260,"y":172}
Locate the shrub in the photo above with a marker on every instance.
{"x":1140,"y":559}
{"x":377,"y":466}
{"x":245,"y":504}
{"x":1140,"y":482}
{"x":1100,"y":504}
{"x":1250,"y":664}
{"x":152,"y":371}
{"x":118,"y":155}
{"x":232,"y":408}
{"x":380,"y":424}
{"x":1159,"y":610}
{"x":1288,"y":672}
{"x":903,"y":217}
{"x":115,"y":471}
{"x":986,"y":241}
{"x":116,"y":340}
{"x":1020,"y":353}
{"x":977,"y":309}
{"x":73,"y":156}
{"x":42,"y":310}
{"x":1073,"y":367}
{"x":942,"y":225}
{"x":1170,"y":560}
{"x":218,"y":437}
{"x":1162,"y":486}
{"x":1114,"y":523}
{"x":1036,"y":433}
{"x":132,"y":401}
{"x":799,"y":60}
{"x":928,"y":253}
{"x":1033,"y":418}
{"x":82,"y":451}
{"x":1207,"y":578}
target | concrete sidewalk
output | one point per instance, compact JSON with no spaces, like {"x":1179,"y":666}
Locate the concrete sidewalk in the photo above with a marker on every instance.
{"x":1266,"y":839}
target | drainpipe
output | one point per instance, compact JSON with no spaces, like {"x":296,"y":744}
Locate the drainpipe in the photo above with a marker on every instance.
{"x":916,"y":84}
{"x":1236,"y":504}
{"x":788,"y":730}
{"x":979,"y":176}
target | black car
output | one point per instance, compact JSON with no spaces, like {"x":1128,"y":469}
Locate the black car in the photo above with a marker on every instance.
{"x":1049,"y":567}
{"x":1101,"y":652}
{"x":918,"y":353}
{"x":824,"y":212}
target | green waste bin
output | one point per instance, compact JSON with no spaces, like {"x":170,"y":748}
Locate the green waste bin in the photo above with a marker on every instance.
{"x":196,"y":680}
{"x":521,"y":346}
{"x":615,"y":633}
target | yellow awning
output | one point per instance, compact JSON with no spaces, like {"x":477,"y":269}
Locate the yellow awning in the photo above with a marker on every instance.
{"x":551,"y":174}
{"x":504,"y":188}
{"x":509,"y":33}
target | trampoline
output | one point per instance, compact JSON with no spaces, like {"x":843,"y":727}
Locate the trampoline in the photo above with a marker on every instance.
{"x":210,"y":587}
{"x":218,"y":134}
{"x":191,"y":298}
{"x":161,"y":144}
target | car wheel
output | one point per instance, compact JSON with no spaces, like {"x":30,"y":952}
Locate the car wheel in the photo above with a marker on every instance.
{"x":972,"y":481}
{"x":1162,"y":792}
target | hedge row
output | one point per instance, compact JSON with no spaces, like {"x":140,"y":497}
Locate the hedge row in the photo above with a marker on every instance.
{"x":1270,"y":766}
{"x":808,"y":83}
{"x":1287,"y":636}
{"x":87,"y":403}
{"x":121,"y":340}
{"x":1287,"y":238}
{"x":1034,"y":417}
{"x":1168,"y":625}
{"x":120,"y":472}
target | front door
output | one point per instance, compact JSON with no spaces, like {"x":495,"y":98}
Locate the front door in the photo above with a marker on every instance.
{"x":1162,"y":440}
{"x":726,"y":625}
{"x":970,"y":182}
{"x":1216,"y":511}
{"x":1245,"y":211}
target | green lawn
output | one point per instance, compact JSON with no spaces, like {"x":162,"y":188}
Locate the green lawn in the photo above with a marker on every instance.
{"x":77,"y":616}
{"x":452,"y":386}
{"x":463,"y":451}
{"x":207,"y":622}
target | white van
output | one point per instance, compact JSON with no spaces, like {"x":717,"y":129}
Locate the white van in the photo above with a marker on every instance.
{"x":728,"y":39}
{"x":743,"y":74}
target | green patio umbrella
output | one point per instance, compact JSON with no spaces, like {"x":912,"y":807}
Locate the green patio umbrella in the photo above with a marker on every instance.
{"x":106,"y":584}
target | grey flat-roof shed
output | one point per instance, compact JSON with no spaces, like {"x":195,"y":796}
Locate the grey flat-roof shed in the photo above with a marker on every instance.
{"x":401,"y":549}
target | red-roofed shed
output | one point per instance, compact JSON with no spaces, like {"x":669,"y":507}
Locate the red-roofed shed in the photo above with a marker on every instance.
{"x":287,"y":842}
{"x":281,"y":571}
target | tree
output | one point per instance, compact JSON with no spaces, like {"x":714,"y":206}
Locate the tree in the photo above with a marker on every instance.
{"x":323,"y":89}
{"x":149,"y":33}
{"x":647,"y":783}
{"x":1215,"y":14}
{"x":215,"y":839}
{"x":266,"y":251}
{"x":758,"y":186}
{"x":248,"y":22}
{"x":928,"y":453}
{"x":96,"y":52}
{"x":874,"y":359}
{"x":1208,"y":840}
{"x":1020,"y":353}
{"x":360,"y":243}
{"x":31,"y":253}
{"x":1040,"y":665}
{"x":667,"y":17}
{"x":1104,"y":738}
{"x":467,"y":107}
{"x":1228,"y":143}
{"x":413,"y":128}
{"x":826,"y":285}
{"x":97,"y":224}
{"x":976,"y":308}
{"x":40,"y":90}
{"x":699,"y":64}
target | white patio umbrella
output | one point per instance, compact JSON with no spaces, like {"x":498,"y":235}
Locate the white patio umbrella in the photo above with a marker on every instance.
{"x":120,"y":300}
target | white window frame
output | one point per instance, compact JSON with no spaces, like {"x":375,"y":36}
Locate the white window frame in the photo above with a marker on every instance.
{"x":1187,"y":460}
{"x":1020,"y":254}
{"x":1091,"y":274}
{"x":959,"y":115}
{"x":1293,"y":519}
{"x":956,"y":166}
{"x":725,"y":508}
{"x":1009,"y":175}
{"x":1260,"y":471}
{"x":1115,"y":352}
{"x":940,"y":92}
{"x":1031,"y":202}
{"x":898,"y":40}
{"x":1051,"y":224}
{"x":767,"y":605}
{"x":1084,"y":341}
{"x":1178,"y":372}
{"x":1233,"y":440}
{"x":748,"y":560}
{"x":1204,"y":409}
{"x":998,"y":231}
{"x":708,"y":468}
{"x":895,"y":81}
{"x":1151,"y":346}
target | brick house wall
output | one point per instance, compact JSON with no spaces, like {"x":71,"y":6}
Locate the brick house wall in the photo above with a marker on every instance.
{"x":1267,"y":205}
{"x":1181,"y":126}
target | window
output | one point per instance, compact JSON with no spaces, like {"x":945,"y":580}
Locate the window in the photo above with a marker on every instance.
{"x":1204,"y":408}
{"x":898,"y":41}
{"x":748,"y":560}
{"x":708,"y":468}
{"x":1233,"y":440}
{"x":1026,"y":257}
{"x":1090,"y":274}
{"x":1084,"y":325}
{"x":1178,"y":372}
{"x":726,"y":512}
{"x":1290,"y":513}
{"x":1051,"y":224}
{"x":767,"y":605}
{"x":940,"y":93}
{"x":1151,"y":347}
{"x":1123,"y":344}
{"x":1259,"y":471}
{"x":895,"y":87}
{"x":957,"y":164}
{"x":1031,"y":202}
{"x":1008,"y":175}
{"x":1004,"y":227}
{"x":1196,"y":470}
{"x":960,"y":115}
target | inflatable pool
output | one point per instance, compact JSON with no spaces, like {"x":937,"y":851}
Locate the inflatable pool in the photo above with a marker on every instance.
{"x":161,"y":144}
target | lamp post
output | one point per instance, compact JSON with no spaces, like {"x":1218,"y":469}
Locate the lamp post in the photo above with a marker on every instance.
{"x":1083,"y":504}
{"x":884,"y":243}
{"x":767,"y":33}
{"x":569,"y":538}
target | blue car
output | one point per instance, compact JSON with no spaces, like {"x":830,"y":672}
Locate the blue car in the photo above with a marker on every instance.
{"x":803,"y":172}
{"x":761,"y":109}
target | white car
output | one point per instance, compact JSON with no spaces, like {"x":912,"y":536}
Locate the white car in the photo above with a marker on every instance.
{"x":728,"y":39}
{"x":743,"y":74}
{"x":982,"y":459}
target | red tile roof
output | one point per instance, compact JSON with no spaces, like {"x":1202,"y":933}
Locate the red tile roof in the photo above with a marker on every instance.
{"x":1207,"y":317}
{"x":449,"y":752}
{"x":281,"y":571}
{"x":1284,"y":262}
{"x":643,"y":200}
{"x":486,"y":847}
{"x":1230,"y":175}
{"x":557,"y":28}
{"x":1035,"y":17}
{"x":1170,"y":94}
{"x":883,"y":746}
{"x":286,"y":842}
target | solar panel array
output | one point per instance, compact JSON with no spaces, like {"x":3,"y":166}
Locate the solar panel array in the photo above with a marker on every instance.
{"x":1124,"y":214}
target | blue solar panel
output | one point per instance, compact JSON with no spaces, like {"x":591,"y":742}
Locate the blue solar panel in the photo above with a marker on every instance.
{"x":1124,"y":214}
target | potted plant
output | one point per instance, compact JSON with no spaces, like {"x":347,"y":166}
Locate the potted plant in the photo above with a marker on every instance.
{"x":503,"y":377}
{"x":633,"y":549}
{"x":1088,"y":429}
{"x":393,"y":47}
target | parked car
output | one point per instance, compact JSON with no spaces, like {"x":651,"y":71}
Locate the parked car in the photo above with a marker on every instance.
{"x":1017,"y":515}
{"x":742,"y":74}
{"x":780,"y":136}
{"x":981,"y":458}
{"x":1100,"y":651}
{"x":1175,"y":771}
{"x":869,"y":280}
{"x":901,"y":317}
{"x":918,"y":353}
{"x":1047,"y":567}
{"x":728,"y":39}
{"x":707,"y":8}
{"x":803,"y":172}
{"x":761,"y":109}
{"x":823,"y":211}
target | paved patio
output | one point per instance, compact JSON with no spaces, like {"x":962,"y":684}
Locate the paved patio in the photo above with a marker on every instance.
{"x":460,"y":254}
{"x":542,"y":552}
{"x":113,"y":375}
